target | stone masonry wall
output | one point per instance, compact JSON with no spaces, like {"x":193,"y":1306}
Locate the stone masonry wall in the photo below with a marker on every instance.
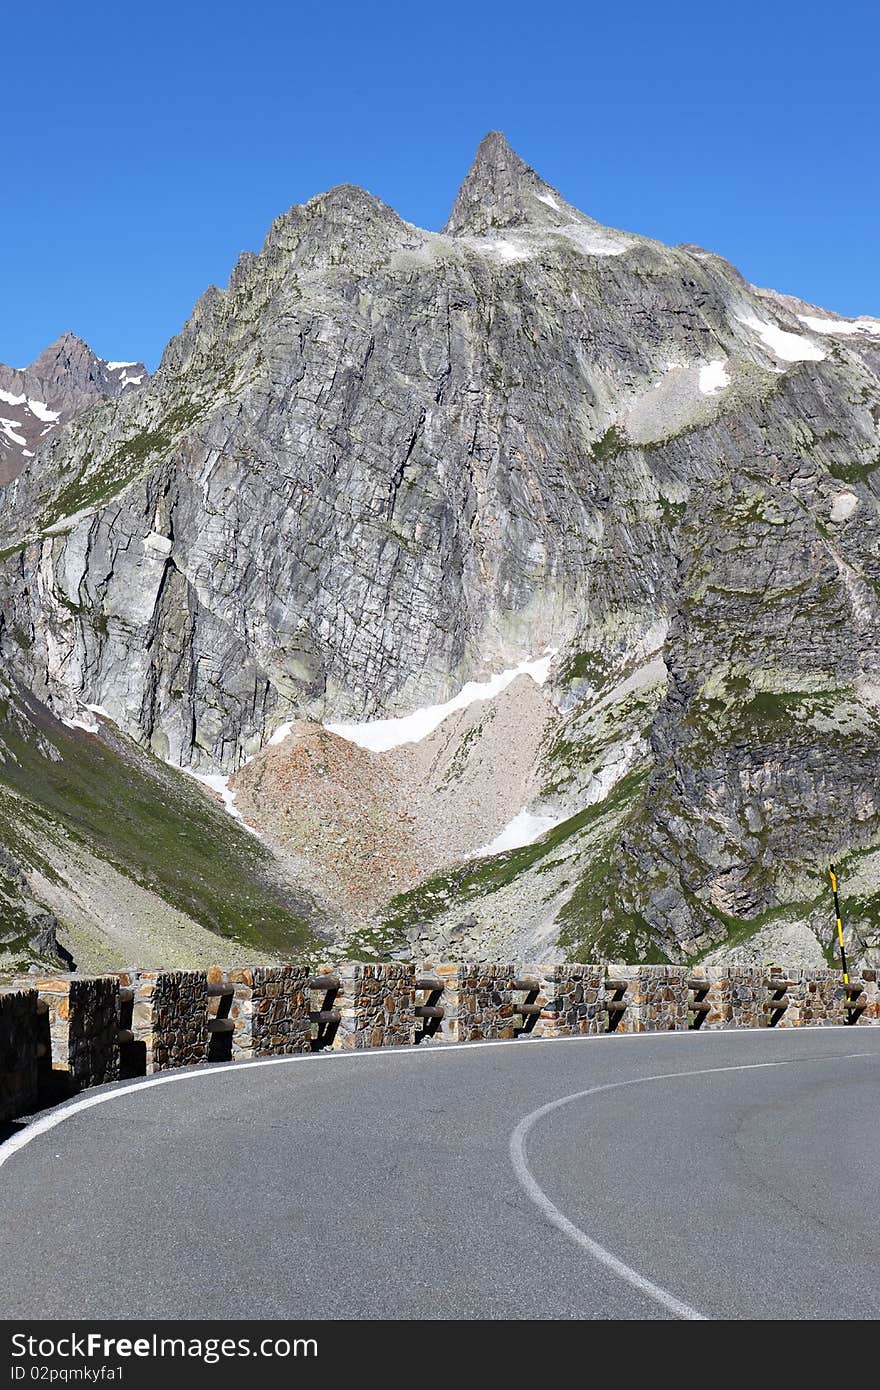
{"x":272,"y":1009}
{"x":83,"y":1024}
{"x":19,"y":1036}
{"x":574,"y":1001}
{"x":377,"y":1005}
{"x":170,"y":1015}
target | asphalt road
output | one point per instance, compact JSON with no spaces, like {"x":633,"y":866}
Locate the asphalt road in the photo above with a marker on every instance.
{"x":724,"y":1175}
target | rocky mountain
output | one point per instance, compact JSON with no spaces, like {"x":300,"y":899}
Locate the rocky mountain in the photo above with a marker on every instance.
{"x":36,"y":401}
{"x":519,"y":584}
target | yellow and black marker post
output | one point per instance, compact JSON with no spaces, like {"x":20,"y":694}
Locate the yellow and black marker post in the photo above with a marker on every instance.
{"x":833,"y":876}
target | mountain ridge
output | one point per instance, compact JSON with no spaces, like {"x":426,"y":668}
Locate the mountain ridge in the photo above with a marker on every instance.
{"x":385,"y":462}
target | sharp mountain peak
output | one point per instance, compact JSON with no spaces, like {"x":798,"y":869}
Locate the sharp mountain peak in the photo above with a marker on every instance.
{"x":501,"y":190}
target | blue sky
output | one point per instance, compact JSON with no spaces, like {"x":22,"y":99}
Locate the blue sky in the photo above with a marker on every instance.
{"x":145,"y":146}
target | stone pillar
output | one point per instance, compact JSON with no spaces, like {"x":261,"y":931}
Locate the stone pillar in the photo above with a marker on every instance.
{"x":170,"y":1015}
{"x":575,"y":1001}
{"x":19,"y":1063}
{"x":83,"y":1025}
{"x":744,"y":994}
{"x":816,"y":1000}
{"x":271,"y":1010}
{"x":656,"y":998}
{"x":484,"y":1006}
{"x":870,"y":1016}
{"x":663,"y":999}
{"x":93,"y":1032}
{"x":377,"y":1005}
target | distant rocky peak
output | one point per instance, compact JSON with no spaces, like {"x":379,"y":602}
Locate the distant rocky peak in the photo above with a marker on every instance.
{"x":68,"y":351}
{"x":63,"y":380}
{"x":501,"y":190}
{"x":68,"y":363}
{"x":68,"y":368}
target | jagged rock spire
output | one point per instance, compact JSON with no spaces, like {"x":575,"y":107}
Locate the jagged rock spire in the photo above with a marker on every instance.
{"x":501,"y":190}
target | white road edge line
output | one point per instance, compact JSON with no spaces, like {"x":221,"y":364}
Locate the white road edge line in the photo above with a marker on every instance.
{"x":49,"y":1122}
{"x":536,"y":1193}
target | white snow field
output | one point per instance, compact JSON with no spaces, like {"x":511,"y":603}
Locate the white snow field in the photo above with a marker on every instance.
{"x":790,"y":347}
{"x":524,"y":829}
{"x":381,"y":734}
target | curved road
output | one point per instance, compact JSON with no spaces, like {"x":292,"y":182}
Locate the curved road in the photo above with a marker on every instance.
{"x":718,"y":1175}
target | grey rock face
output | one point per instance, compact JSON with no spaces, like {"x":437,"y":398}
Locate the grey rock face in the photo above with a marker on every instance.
{"x":36,"y":401}
{"x":502,"y":191}
{"x":383,"y":462}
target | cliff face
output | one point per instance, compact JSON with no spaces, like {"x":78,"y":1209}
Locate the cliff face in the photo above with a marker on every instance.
{"x":384,"y":462}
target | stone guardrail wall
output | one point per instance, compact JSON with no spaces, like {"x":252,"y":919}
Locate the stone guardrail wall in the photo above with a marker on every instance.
{"x":19,"y":1046}
{"x":83,"y":1020}
{"x":61,"y":1033}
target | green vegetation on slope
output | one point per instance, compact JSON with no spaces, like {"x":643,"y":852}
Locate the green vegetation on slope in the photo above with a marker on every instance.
{"x":567,"y":847}
{"x":151,"y":825}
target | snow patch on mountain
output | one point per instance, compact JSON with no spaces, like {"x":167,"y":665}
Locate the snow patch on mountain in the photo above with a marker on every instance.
{"x":524,"y":829}
{"x":220,"y":785}
{"x":89,"y":725}
{"x":847,"y":326}
{"x":9,"y":428}
{"x":790,"y":347}
{"x":713,"y":377}
{"x":381,"y":734}
{"x":42,"y":411}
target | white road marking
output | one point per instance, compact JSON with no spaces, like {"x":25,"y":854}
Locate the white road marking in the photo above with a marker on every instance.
{"x":536,"y":1193}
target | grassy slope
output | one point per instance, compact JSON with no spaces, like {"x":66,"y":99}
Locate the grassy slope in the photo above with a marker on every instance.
{"x":150,"y":823}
